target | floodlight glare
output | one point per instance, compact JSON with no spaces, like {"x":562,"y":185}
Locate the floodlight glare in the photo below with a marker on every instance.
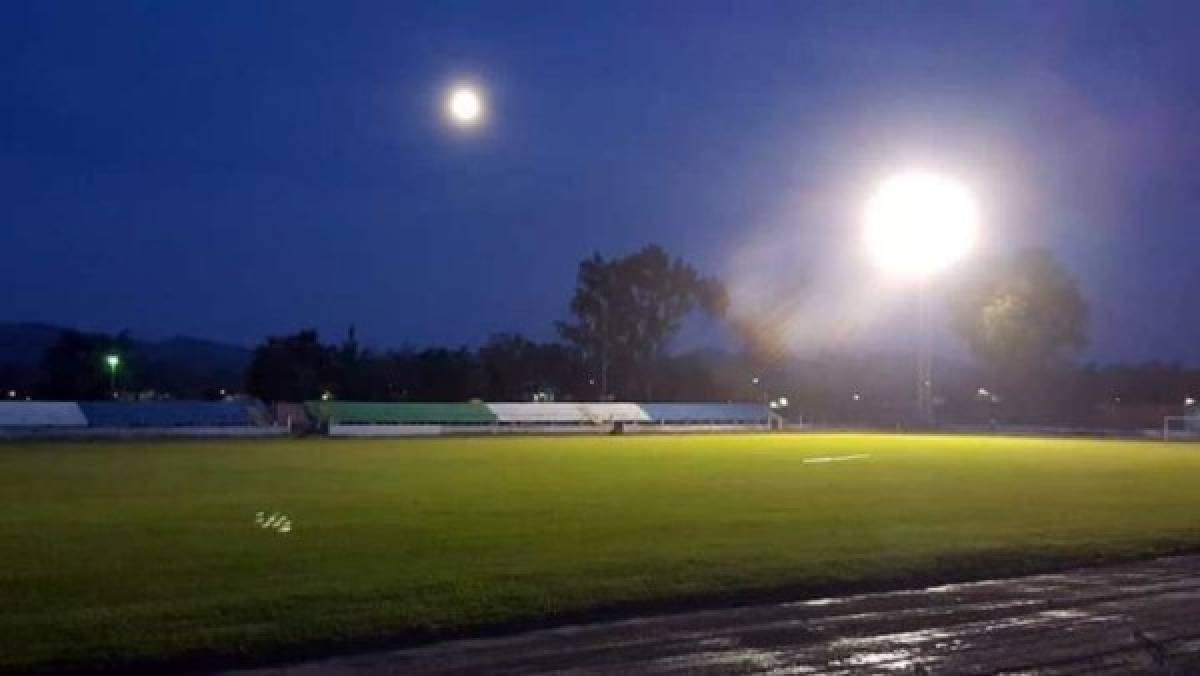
{"x":113,"y":361}
{"x":918,"y":223}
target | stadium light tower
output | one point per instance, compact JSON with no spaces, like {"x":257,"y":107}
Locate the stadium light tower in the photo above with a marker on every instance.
{"x":114,"y":362}
{"x":917,"y":224}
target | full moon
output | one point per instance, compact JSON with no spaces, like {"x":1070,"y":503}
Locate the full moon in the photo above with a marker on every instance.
{"x":464,"y":106}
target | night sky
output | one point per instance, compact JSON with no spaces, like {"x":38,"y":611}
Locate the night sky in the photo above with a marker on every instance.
{"x":229,"y":170}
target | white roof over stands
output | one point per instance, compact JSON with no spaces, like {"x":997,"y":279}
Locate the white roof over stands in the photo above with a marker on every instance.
{"x":538,"y":412}
{"x":607,"y":412}
{"x":568,"y":412}
{"x":41,"y":414}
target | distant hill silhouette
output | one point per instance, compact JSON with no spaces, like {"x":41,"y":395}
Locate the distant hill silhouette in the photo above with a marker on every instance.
{"x":181,"y":364}
{"x":23,"y":344}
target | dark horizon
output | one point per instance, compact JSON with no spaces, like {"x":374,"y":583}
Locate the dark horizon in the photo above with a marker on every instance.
{"x":230,"y":171}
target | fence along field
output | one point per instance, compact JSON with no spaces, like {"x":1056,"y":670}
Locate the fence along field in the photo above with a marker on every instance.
{"x":239,"y":551}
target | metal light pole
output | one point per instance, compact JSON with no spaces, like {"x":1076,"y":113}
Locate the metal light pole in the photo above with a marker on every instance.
{"x":604,"y":349}
{"x":917,"y":224}
{"x":762,"y":387}
{"x":113,"y":362}
{"x":925,"y":414}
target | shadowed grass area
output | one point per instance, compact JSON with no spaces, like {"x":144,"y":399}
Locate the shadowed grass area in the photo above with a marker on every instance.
{"x":120,"y":554}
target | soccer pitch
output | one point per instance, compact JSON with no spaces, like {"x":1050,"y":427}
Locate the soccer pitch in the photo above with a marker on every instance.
{"x":118,"y":554}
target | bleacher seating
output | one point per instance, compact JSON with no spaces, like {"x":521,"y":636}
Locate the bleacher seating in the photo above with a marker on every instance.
{"x":165,"y":414}
{"x":706,"y":414}
{"x":383,"y":419}
{"x":360,"y":413}
{"x":41,"y":414}
{"x":376,"y":419}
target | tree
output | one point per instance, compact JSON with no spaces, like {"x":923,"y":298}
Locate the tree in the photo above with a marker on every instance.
{"x":514,"y":368}
{"x":443,"y":374}
{"x":74,"y":366}
{"x":1024,"y":318}
{"x":627,"y":310}
{"x":358,"y":374}
{"x":292,"y":368}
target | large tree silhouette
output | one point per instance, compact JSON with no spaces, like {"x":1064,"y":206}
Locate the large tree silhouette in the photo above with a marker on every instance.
{"x":625,"y":311}
{"x":292,"y":368}
{"x":1024,"y":318}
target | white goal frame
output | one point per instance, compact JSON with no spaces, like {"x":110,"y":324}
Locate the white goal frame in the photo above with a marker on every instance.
{"x":1186,"y":433}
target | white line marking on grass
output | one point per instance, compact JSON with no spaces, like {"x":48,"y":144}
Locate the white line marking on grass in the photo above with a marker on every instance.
{"x":838,"y":458}
{"x":280,"y":523}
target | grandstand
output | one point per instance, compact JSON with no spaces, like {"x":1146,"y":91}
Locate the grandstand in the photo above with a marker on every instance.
{"x":614,"y":412}
{"x":346,"y":418}
{"x":706,"y":414}
{"x":48,"y":414}
{"x":368,"y":419}
{"x":166,"y":414}
{"x":568,"y":413}
{"x":538,"y":413}
{"x":341,"y":418}
{"x":135,"y":419}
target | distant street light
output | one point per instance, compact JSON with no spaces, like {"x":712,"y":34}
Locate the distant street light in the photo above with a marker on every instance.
{"x":762,"y":388}
{"x":1189,"y":401}
{"x":114,"y":362}
{"x":917,"y":224}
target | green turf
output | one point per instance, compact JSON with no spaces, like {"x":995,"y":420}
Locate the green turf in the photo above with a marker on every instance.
{"x":115,"y":553}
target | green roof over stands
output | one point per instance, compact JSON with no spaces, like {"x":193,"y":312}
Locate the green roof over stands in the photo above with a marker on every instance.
{"x":360,"y":413}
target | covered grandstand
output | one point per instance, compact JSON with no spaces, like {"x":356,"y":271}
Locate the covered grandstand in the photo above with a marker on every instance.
{"x":341,"y":418}
{"x":167,"y":414}
{"x":116,"y":419}
{"x":568,"y":413}
{"x":706,"y":414}
{"x":33,"y":414}
{"x":353,"y":419}
{"x":367,"y":419}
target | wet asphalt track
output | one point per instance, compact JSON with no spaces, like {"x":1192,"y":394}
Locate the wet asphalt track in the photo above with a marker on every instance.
{"x":1131,"y":618}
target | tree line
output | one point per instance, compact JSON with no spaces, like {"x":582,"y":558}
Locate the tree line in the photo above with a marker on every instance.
{"x":1022,"y":316}
{"x":623,"y":315}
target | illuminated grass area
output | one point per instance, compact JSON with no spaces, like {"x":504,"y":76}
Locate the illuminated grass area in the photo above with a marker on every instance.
{"x":118,"y":554}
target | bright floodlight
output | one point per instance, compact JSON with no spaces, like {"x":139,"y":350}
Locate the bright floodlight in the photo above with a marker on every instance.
{"x":464,"y":106}
{"x":918,"y":223}
{"x":113,"y":361}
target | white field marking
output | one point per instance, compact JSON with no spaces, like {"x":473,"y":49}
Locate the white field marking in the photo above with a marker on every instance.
{"x":276,"y":521}
{"x":838,"y":458}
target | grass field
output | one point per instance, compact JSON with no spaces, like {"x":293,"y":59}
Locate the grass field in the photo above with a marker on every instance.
{"x":117,"y":554}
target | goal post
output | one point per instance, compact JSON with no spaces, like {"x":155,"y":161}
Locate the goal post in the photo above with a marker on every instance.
{"x":1181,"y":427}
